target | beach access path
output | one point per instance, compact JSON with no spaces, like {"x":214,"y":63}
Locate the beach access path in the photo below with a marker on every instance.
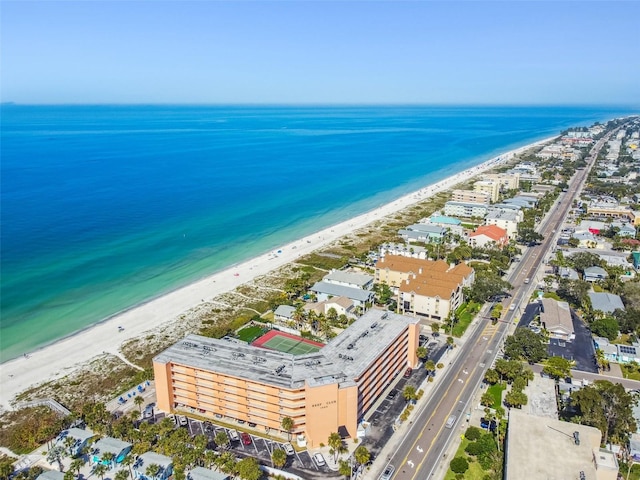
{"x":68,"y":354}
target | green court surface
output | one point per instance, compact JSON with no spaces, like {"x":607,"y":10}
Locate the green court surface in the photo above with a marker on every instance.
{"x":289,"y":345}
{"x":249,"y":334}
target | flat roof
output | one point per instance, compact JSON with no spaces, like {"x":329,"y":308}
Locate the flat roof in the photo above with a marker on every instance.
{"x":51,"y":475}
{"x":342,"y":360}
{"x":80,"y":434}
{"x":148,"y":458}
{"x":540,"y":448}
{"x":605,"y":302}
{"x":201,"y":473}
{"x":360,"y":279}
{"x":110,"y":445}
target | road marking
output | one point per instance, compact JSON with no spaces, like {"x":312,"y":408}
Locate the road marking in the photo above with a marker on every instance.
{"x":410,"y":463}
{"x":421,"y":450}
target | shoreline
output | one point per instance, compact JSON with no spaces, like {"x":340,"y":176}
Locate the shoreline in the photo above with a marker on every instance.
{"x":66,"y":354}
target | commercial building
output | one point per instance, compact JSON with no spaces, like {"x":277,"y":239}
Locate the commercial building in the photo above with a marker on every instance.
{"x":322,"y":392}
{"x":543,"y":448}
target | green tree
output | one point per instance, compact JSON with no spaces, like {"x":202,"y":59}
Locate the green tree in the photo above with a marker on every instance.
{"x":515,"y":398}
{"x":100,"y":470}
{"x":55,"y":454}
{"x":557,"y":367}
{"x":362,"y":455}
{"x":344,"y":468}
{"x":138,"y":401}
{"x":422,"y":352}
{"x":459,"y":465}
{"x":430,"y":366}
{"x":249,"y":469}
{"x":487,"y":284}
{"x":450,"y":342}
{"x":486,"y":399}
{"x":127,"y":461}
{"x":608,"y":407}
{"x":69,"y":475}
{"x":121,"y":475}
{"x":473,"y":433}
{"x":287,"y":426}
{"x":491,"y":376}
{"x":409,"y":393}
{"x":77,"y":464}
{"x":606,"y":327}
{"x":278,"y":457}
{"x":221,"y":439}
{"x":335,"y":442}
{"x":525,"y":345}
{"x":6,"y":468}
{"x":435,"y":327}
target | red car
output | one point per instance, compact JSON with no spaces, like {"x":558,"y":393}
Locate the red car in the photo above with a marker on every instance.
{"x":408,"y":373}
{"x":246,"y":438}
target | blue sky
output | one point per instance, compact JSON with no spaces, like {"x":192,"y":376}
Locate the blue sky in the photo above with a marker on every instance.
{"x":472,"y":52}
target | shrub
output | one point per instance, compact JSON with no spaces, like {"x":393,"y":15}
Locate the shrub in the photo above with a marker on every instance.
{"x":459,"y":465}
{"x":473,"y":433}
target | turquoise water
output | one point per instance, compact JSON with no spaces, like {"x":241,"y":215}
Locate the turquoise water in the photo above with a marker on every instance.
{"x":104,"y":207}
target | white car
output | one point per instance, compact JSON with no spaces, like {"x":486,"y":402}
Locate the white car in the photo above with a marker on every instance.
{"x":388,"y":472}
{"x":319,"y":459}
{"x":182,"y":420}
{"x":288,"y":448}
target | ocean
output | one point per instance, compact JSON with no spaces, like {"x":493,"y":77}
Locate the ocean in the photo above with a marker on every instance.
{"x":105,"y":207}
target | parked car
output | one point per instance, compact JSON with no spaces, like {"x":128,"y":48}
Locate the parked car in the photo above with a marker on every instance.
{"x":392,"y":394}
{"x":148,"y":412}
{"x":319,"y":459}
{"x":233,"y":435}
{"x":182,"y":420}
{"x":388,"y":472}
{"x":251,"y":424}
{"x":288,"y":448}
{"x":246,"y":438}
{"x":407,"y":373}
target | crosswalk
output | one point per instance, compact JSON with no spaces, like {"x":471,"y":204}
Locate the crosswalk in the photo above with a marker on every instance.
{"x":490,"y":329}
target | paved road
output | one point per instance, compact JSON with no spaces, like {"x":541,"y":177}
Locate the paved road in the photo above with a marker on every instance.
{"x":418,"y":456}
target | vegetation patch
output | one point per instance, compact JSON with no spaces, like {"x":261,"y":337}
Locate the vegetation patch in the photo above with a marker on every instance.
{"x":496,"y":392}
{"x":464,"y":314}
{"x":249,"y":334}
{"x":631,"y":370}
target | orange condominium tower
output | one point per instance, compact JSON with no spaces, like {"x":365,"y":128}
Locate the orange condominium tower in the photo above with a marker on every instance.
{"x":323,"y":392}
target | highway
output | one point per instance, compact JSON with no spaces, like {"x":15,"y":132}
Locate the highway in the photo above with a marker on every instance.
{"x":419,"y":454}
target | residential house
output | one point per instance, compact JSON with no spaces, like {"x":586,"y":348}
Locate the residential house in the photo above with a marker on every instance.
{"x":164,"y":463}
{"x":349,"y":279}
{"x":201,"y":473}
{"x":471,"y":196}
{"x":507,"y":221}
{"x":423,"y":232}
{"x":51,"y":475}
{"x":605,"y":302}
{"x":593,"y":274}
{"x":436,"y":292}
{"x":569,"y":273}
{"x":466,"y":209}
{"x":618,"y":353}
{"x":555,"y":317}
{"x":608,"y":349}
{"x":113,"y":447}
{"x":284,"y":313}
{"x":454,"y":225}
{"x":81,"y":439}
{"x":325,"y":290}
{"x":487,"y":235}
{"x":624,"y":229}
{"x":342,"y":305}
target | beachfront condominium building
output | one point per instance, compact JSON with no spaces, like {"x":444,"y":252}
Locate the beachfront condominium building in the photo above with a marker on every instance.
{"x":466,"y":209}
{"x":506,"y":219}
{"x":489,"y":187}
{"x":328,"y":391}
{"x":506,"y":181}
{"x":471,"y":196}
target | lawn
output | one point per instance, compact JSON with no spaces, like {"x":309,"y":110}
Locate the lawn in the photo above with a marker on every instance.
{"x":496,"y":392}
{"x":465,"y":313}
{"x":249,"y":334}
{"x":631,"y":371}
{"x":475,"y":471}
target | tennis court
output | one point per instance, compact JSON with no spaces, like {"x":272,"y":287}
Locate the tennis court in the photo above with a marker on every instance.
{"x":287,"y":343}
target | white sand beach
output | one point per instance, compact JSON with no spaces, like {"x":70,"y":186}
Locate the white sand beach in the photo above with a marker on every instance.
{"x":62,"y":357}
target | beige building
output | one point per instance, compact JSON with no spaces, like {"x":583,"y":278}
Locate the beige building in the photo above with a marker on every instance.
{"x":489,"y":187}
{"x":470,"y":196}
{"x":507,"y":181}
{"x":435,"y":293}
{"x":555,"y":317}
{"x":322,"y":392}
{"x":548,"y":449}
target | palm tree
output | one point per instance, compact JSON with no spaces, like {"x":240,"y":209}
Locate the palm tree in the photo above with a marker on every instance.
{"x":450,"y":342}
{"x":278,"y":458}
{"x":77,"y":464}
{"x":121,"y":475}
{"x":69,"y":475}
{"x":100,"y":470}
{"x":6,"y":470}
{"x":221,"y":439}
{"x":335,"y":442}
{"x":209,"y":456}
{"x":107,"y":458}
{"x":55,"y":455}
{"x":287,"y":426}
{"x":362,"y":455}
{"x":139,"y":401}
{"x":429,"y":366}
{"x":422,"y":352}
{"x":127,"y":462}
{"x":409,"y":393}
{"x":152,"y":470}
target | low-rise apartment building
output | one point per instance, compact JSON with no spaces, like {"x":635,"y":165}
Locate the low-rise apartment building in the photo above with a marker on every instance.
{"x":471,"y":196}
{"x":489,"y":187}
{"x":466,"y":209}
{"x":322,"y":392}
